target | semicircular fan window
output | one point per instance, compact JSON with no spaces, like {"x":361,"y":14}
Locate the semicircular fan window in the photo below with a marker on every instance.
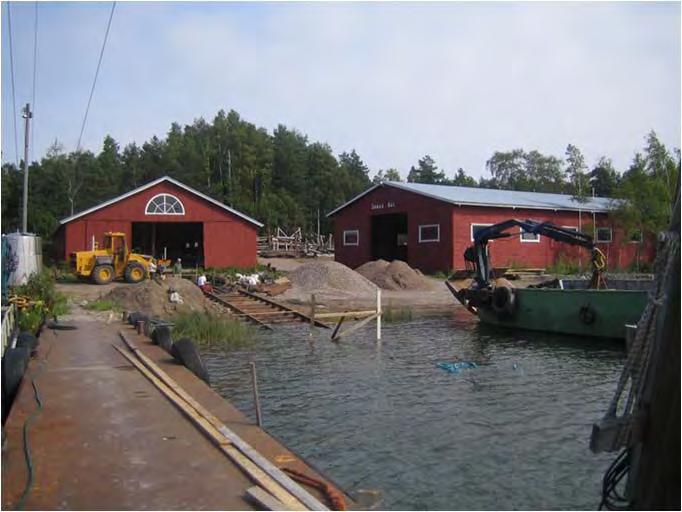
{"x":164,"y":204}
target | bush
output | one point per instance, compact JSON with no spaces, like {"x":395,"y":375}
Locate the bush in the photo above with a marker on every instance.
{"x":392,"y":315}
{"x":43,"y":298}
{"x":102,"y":305}
{"x":565,"y":266}
{"x":211,"y":330}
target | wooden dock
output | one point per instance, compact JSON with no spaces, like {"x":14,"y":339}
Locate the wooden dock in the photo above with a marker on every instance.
{"x":261,"y":311}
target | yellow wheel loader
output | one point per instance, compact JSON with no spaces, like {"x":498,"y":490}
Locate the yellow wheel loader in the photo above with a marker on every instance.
{"x":113,"y":261}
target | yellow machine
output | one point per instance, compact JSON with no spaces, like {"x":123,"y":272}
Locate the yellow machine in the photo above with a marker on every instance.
{"x":111,"y":262}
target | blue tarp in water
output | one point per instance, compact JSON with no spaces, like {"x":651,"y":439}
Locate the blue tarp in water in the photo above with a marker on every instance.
{"x":456,"y":367}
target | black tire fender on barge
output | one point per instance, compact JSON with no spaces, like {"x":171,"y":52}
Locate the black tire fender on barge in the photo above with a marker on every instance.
{"x":503,"y":301}
{"x":186,"y":353}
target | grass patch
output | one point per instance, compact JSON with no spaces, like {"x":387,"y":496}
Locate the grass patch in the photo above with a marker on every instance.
{"x":102,"y":305}
{"x":212,"y":331}
{"x":393,"y":315}
{"x":566,"y":267}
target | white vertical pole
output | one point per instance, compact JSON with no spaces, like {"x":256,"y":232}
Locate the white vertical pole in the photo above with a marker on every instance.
{"x":92,"y":243}
{"x":378,"y":314}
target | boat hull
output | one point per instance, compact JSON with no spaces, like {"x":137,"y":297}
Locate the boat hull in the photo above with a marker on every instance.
{"x":600,"y":313}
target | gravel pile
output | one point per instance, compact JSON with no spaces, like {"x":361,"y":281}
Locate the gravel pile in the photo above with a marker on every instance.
{"x":396,"y":275}
{"x":328,"y":277}
{"x":152,"y":298}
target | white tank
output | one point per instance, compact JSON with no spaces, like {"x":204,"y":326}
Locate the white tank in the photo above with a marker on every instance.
{"x":27,"y":251}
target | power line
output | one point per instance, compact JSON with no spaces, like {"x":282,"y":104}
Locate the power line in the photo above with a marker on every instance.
{"x":11,"y":68}
{"x":35,"y":67}
{"x":94,"y":82}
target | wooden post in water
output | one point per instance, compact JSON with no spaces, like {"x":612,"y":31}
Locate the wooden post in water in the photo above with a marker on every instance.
{"x":312,"y":313}
{"x":256,"y":398}
{"x":378,"y":314}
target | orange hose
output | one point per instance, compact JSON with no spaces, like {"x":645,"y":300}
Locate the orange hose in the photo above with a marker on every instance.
{"x":334,"y":496}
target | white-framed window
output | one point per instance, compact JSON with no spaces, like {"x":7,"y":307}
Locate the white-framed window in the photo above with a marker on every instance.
{"x":571,"y":228}
{"x":476,"y":227}
{"x":164,"y":204}
{"x":528,"y":237}
{"x":429,"y":233}
{"x":351,"y":237}
{"x":636,"y":237}
{"x":604,"y":235}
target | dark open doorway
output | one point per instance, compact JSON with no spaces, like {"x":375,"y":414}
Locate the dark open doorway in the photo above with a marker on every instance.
{"x":389,"y":236}
{"x":171,"y":240}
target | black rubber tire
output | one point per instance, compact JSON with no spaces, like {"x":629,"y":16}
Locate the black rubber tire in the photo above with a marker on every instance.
{"x":103,"y":274}
{"x":132,"y":317}
{"x":503,"y":301}
{"x":14,"y":364}
{"x":27,"y":339}
{"x":135,"y":273}
{"x":185,"y":352}
{"x":163,"y":338}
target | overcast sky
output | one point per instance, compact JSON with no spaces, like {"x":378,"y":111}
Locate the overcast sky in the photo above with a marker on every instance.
{"x":394,"y":81}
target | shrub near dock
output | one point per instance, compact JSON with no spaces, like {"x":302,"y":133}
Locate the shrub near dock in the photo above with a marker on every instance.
{"x":212,"y":331}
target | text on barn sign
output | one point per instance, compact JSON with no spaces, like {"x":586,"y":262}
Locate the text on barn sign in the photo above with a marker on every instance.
{"x":380,"y":206}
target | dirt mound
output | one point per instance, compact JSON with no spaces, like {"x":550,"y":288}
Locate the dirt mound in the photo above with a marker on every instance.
{"x":153,"y":298}
{"x":329,"y":277}
{"x":396,"y":275}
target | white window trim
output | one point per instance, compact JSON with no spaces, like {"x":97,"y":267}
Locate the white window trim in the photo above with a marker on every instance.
{"x":641,"y":239}
{"x":604,"y":241}
{"x":536,"y":241}
{"x":357,"y":237}
{"x":430,"y":240}
{"x":574,"y":228}
{"x":146,"y":208}
{"x":471,"y":228}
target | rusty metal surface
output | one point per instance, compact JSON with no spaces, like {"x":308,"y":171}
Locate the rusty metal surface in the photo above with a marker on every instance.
{"x":107,"y":439}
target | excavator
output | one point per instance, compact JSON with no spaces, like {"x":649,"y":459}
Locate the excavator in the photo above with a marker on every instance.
{"x":113,"y":261}
{"x":482,"y":293}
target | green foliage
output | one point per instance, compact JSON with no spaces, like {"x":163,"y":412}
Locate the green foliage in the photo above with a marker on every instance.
{"x":394,"y":315}
{"x":45,"y":300}
{"x":387,"y":175}
{"x":564,"y":267}
{"x":211,"y":331}
{"x":579,"y":181}
{"x":426,"y":172}
{"x":521,"y":170}
{"x":604,"y":178}
{"x":102,"y":305}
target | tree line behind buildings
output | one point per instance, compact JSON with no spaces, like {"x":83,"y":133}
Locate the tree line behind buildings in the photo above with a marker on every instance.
{"x":283,"y":179}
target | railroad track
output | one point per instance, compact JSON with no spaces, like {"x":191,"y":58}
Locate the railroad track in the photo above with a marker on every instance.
{"x":258,"y":310}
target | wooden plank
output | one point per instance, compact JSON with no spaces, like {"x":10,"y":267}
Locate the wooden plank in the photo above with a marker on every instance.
{"x":357,"y":326}
{"x":303,"y":316}
{"x":338,"y":326}
{"x":250,"y":469}
{"x":346,"y":313}
{"x":265,"y":499}
{"x":238,"y":310}
{"x":274,"y":472}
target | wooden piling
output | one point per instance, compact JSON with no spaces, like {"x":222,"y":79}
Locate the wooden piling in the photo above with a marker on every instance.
{"x":256,"y":398}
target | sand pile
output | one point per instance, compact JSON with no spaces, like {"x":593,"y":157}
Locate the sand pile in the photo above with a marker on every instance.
{"x":396,"y":275}
{"x":328,"y":277}
{"x":152,"y":298}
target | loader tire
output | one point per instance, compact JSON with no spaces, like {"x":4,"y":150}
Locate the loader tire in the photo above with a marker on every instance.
{"x":135,"y":273}
{"x":103,"y":274}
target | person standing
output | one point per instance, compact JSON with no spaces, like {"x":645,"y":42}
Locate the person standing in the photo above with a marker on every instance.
{"x":177,"y":268}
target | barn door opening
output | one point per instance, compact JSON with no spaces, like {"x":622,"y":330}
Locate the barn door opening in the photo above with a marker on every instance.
{"x":171,"y":240}
{"x":389,"y":236}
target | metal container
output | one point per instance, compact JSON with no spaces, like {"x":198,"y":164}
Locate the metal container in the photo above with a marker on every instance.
{"x":27,"y":252}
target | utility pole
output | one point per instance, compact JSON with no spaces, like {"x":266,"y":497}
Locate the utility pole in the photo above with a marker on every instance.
{"x":27,"y":114}
{"x":229,"y":174}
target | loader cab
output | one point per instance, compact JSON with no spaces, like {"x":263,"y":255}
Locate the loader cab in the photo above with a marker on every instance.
{"x":115,"y":244}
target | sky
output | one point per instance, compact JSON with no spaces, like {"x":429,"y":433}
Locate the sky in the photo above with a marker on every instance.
{"x":394,"y":81}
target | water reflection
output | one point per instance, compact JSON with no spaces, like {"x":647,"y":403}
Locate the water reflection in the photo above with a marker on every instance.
{"x":511,"y":433}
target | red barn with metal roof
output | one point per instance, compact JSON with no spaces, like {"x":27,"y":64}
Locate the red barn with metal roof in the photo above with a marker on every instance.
{"x":166,"y":218}
{"x":430,"y":226}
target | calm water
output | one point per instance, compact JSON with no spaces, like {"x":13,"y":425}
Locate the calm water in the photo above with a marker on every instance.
{"x":512,"y":433}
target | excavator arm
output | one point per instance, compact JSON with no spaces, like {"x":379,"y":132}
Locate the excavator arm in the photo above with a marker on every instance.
{"x":477,"y":254}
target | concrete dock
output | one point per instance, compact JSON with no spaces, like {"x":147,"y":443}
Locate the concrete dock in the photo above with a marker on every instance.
{"x":106,"y":438}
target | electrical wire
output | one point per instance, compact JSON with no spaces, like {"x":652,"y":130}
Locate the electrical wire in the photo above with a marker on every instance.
{"x":94,"y":82}
{"x":35,"y":67}
{"x":11,"y":69}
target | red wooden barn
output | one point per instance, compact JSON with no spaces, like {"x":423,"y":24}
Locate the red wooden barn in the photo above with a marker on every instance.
{"x":166,"y":218}
{"x":430,"y":226}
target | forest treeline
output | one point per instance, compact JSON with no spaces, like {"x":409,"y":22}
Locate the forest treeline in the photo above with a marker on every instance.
{"x":283,"y":179}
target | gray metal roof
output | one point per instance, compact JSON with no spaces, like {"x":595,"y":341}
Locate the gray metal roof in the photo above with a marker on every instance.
{"x":472,"y":196}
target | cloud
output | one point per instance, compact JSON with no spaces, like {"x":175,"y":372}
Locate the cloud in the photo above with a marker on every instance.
{"x":392,"y":80}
